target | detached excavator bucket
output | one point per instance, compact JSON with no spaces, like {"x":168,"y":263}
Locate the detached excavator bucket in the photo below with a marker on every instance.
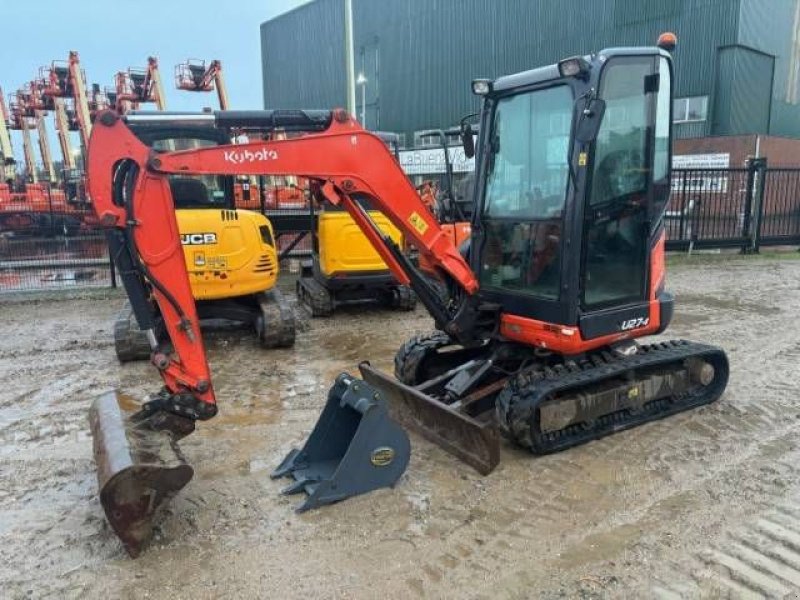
{"x":474,"y":440}
{"x":139,"y":465}
{"x":354,"y":448}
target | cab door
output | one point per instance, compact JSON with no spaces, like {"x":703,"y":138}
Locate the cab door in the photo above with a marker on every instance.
{"x":629,"y":180}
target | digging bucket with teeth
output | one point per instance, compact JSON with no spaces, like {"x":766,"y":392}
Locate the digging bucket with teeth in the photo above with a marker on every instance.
{"x":354,"y":448}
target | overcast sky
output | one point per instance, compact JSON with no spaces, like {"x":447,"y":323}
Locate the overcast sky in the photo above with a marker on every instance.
{"x":112,"y":36}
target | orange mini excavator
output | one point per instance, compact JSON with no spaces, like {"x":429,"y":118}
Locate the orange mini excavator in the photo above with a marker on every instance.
{"x":538,"y":337}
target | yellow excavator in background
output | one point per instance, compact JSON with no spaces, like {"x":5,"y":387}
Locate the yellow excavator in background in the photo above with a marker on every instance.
{"x":230,"y":254}
{"x":345,"y":268}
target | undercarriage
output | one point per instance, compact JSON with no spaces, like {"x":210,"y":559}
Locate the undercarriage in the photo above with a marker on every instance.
{"x":539,"y":400}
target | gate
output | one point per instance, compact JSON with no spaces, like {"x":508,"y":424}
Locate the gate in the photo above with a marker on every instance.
{"x":744,"y":208}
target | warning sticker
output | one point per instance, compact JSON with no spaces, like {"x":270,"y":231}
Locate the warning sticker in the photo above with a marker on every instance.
{"x":418,"y":223}
{"x":582,"y":159}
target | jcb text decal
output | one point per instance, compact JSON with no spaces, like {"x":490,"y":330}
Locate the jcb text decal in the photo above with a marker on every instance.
{"x":198,"y":239}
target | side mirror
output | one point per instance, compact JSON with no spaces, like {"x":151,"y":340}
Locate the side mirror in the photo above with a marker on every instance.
{"x":590,"y":120}
{"x":467,"y":141}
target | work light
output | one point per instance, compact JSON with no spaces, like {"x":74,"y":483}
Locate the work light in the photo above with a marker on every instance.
{"x":481,"y":87}
{"x":573,"y":67}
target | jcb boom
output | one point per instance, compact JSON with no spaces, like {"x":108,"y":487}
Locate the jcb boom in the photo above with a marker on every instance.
{"x":536,"y":337}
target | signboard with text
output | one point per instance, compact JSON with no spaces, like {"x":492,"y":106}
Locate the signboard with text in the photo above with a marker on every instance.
{"x":701,"y":181}
{"x":430,"y":161}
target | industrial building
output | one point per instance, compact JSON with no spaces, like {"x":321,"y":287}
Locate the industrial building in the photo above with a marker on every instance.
{"x":737,"y":62}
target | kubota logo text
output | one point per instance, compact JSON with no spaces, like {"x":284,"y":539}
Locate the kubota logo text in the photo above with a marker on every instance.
{"x":198,"y":239}
{"x":238,"y":157}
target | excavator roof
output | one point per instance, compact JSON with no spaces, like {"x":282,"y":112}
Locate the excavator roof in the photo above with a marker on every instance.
{"x":551,"y":73}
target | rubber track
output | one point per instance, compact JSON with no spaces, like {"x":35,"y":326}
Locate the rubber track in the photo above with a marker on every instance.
{"x":278,"y":322}
{"x":516,"y":404}
{"x":414,"y":351}
{"x":130,"y":342}
{"x":403,"y":298}
{"x":315,"y":296}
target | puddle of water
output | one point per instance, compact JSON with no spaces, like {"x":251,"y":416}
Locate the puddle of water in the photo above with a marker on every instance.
{"x":600,"y":546}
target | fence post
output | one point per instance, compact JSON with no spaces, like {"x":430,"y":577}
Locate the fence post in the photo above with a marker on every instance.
{"x":682,"y":223}
{"x":760,"y":165}
{"x":751,"y":217}
{"x":747,"y":211}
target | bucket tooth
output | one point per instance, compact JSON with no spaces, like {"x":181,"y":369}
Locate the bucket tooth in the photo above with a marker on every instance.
{"x":301,"y":485}
{"x":139,"y":466}
{"x":354,"y":448}
{"x":287,"y":464}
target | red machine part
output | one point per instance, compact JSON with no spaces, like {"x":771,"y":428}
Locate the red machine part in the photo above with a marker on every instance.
{"x":139,"y":86}
{"x":347,"y":160}
{"x":343,"y":160}
{"x":194,"y":76}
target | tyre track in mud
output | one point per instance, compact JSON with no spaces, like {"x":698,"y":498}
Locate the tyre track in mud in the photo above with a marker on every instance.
{"x":732,"y":428}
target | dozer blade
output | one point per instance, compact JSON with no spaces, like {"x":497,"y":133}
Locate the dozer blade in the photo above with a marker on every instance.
{"x":354,"y":448}
{"x":139,"y":465}
{"x":476,"y":442}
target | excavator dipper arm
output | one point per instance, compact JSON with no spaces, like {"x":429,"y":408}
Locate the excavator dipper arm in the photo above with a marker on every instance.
{"x":130,"y":189}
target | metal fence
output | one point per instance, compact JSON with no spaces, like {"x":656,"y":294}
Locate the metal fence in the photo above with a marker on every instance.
{"x":778,"y":211}
{"x":46,"y":242}
{"x":746,"y":207}
{"x":49,"y":241}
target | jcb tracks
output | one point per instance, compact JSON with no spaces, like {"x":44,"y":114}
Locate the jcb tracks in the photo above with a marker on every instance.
{"x":402,"y":298}
{"x":603,"y":376}
{"x":130,"y":342}
{"x":315,"y":296}
{"x":275,"y":325}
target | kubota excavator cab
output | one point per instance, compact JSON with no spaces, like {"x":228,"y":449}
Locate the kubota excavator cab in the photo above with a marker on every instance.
{"x":572,"y":181}
{"x":230,"y":253}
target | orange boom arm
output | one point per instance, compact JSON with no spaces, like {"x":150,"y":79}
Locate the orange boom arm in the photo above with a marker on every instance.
{"x":129,"y":185}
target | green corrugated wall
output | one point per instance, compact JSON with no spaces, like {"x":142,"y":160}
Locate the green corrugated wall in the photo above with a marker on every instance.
{"x":424,"y":53}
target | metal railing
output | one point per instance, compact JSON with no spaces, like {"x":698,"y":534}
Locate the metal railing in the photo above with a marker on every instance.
{"x":47,"y":242}
{"x":746,"y":207}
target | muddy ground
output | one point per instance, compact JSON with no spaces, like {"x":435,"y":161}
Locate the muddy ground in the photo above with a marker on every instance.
{"x":704,"y":504}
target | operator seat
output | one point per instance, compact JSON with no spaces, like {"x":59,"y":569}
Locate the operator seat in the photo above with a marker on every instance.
{"x":188,"y":192}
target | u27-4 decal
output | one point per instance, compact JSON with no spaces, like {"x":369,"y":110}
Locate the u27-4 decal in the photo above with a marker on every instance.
{"x":634,"y":323}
